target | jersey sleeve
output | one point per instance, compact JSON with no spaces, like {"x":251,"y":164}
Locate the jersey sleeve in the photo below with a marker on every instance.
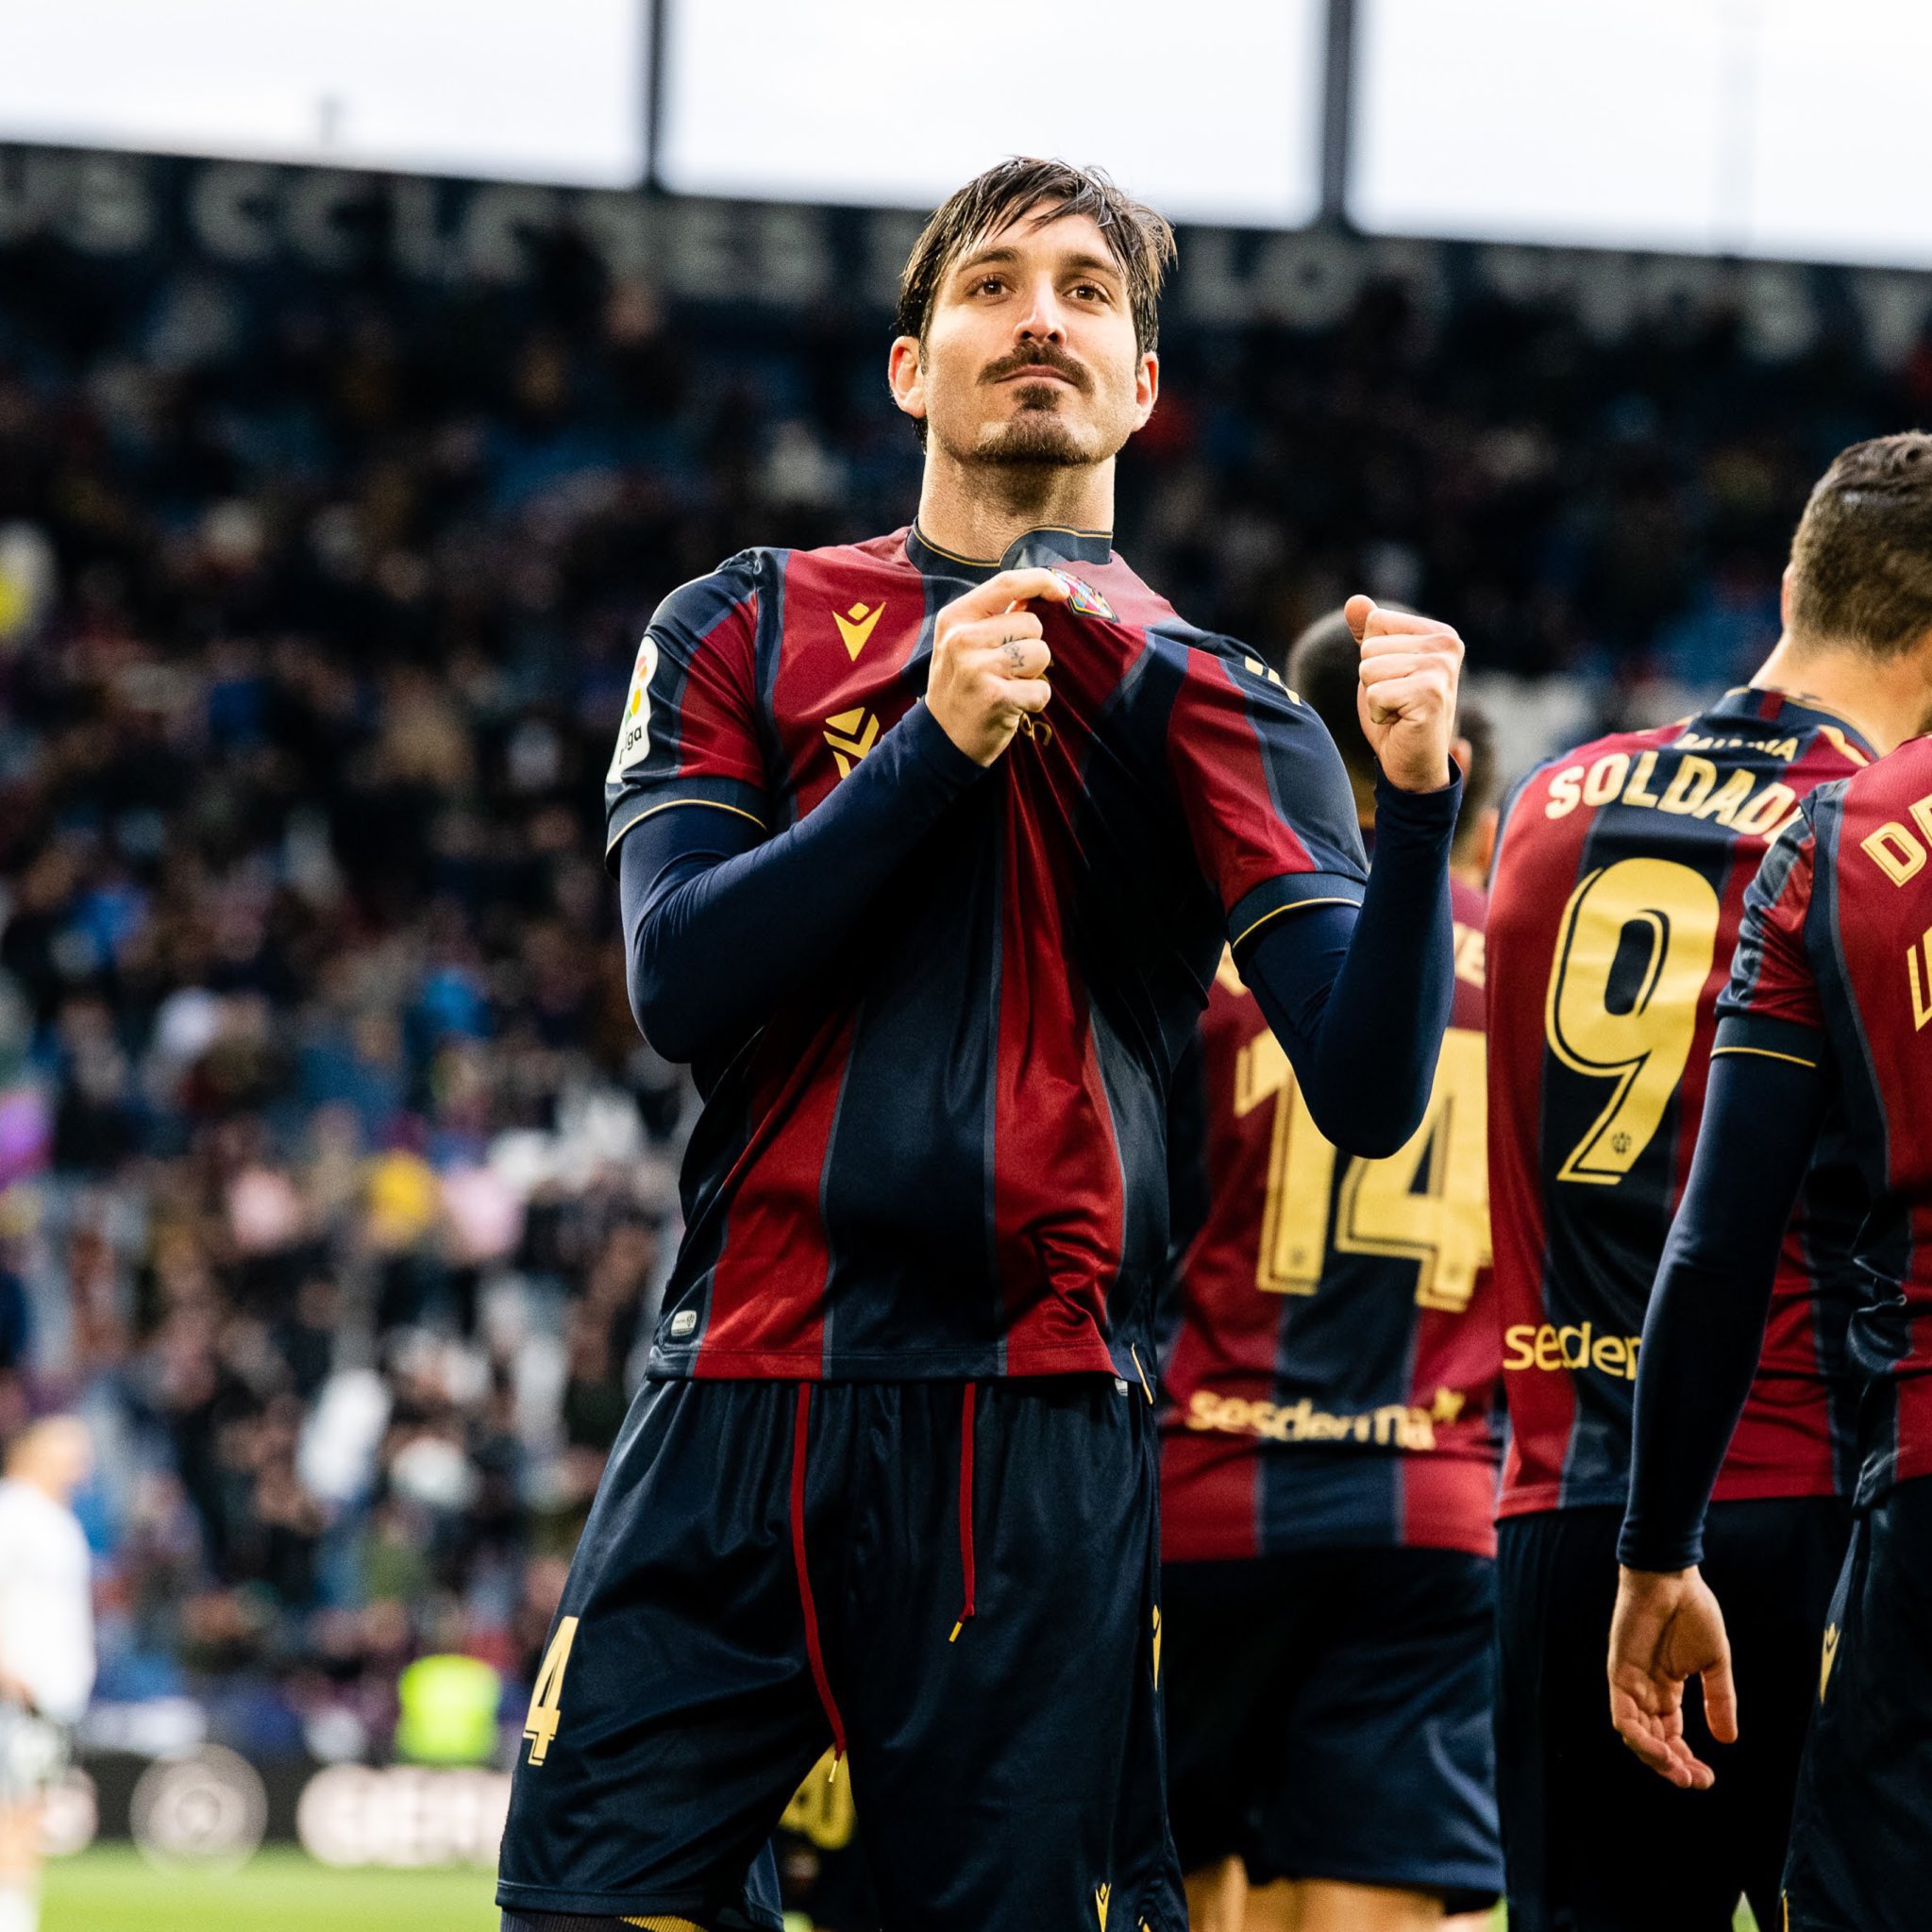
{"x":1772,"y":1006}
{"x":1267,"y":802}
{"x":690,"y":731}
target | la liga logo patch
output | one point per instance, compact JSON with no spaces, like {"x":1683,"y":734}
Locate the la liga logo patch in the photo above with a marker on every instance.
{"x":633,"y":734}
{"x":1083,"y":597}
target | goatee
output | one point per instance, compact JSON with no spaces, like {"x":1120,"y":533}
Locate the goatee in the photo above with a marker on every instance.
{"x":1035,"y":437}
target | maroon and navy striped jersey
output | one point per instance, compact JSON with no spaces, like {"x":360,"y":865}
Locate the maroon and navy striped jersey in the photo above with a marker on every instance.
{"x":948,"y":1156}
{"x":1835,"y":965}
{"x":1331,"y":1376}
{"x":1615,"y":903}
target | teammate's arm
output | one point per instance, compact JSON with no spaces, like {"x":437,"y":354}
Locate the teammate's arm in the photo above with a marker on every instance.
{"x":1705,"y":1329}
{"x":1359,"y":996}
{"x":719,"y":925}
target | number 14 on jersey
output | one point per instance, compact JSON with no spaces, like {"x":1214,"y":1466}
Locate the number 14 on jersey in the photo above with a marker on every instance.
{"x":1428,"y":1203}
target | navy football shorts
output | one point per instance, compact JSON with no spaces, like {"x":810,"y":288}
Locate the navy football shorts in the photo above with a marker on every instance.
{"x":1589,"y":1832}
{"x":958,"y":1584}
{"x":1861,"y":1832}
{"x":1329,"y":1717}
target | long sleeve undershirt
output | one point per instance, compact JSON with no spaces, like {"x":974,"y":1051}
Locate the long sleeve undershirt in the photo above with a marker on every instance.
{"x":721,"y":925}
{"x":1704,"y":1330}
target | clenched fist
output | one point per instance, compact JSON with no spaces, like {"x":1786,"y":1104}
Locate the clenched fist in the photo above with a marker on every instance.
{"x":989,"y":661}
{"x":1411,"y":667}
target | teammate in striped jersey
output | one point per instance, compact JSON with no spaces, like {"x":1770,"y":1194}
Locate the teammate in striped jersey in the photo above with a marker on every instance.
{"x":1330,"y":1448}
{"x":1826,"y":1014}
{"x":1619,"y":889}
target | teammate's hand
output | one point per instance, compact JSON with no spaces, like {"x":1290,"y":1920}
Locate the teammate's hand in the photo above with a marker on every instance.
{"x":989,"y":661}
{"x":1411,"y":666}
{"x":1667,"y":1628}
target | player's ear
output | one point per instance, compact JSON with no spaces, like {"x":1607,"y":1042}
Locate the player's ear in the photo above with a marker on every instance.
{"x":1785,"y":600}
{"x":1147,"y":388}
{"x":905,"y":372}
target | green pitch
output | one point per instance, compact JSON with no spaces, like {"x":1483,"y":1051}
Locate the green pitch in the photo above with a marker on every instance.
{"x":109,"y":1889}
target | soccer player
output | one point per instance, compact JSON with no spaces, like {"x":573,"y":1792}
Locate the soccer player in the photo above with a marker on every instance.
{"x":1826,"y":1012}
{"x":1328,"y":1470}
{"x":1617,"y":892}
{"x":46,"y":1644}
{"x":928,"y":848}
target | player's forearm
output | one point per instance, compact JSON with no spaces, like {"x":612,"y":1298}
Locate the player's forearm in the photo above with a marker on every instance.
{"x":1704,"y":1330}
{"x":719,"y":929}
{"x":1359,"y":997}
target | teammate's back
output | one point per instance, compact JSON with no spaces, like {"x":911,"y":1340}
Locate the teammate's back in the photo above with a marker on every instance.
{"x":1825,"y":1014}
{"x":1616,"y":909}
{"x":1615,"y":904}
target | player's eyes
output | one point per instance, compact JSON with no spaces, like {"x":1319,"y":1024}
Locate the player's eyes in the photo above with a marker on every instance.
{"x":988,"y":284}
{"x":1092,"y":290}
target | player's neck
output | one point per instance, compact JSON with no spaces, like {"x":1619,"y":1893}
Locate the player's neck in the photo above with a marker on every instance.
{"x":978,"y":510}
{"x":1885,"y":700}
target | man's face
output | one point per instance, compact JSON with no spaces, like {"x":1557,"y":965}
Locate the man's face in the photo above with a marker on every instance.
{"x":1030,"y":355}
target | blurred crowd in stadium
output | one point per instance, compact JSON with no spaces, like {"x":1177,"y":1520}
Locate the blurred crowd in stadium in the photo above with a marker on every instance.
{"x":336,"y":1178}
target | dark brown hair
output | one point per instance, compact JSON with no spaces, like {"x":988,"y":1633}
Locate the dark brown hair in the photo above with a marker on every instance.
{"x":1137,"y":237}
{"x":1861,"y":563}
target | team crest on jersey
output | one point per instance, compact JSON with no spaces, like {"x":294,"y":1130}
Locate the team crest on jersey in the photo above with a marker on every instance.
{"x":633,"y":734}
{"x":1085,"y":598}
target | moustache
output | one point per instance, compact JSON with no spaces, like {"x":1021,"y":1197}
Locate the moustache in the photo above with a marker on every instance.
{"x":1041,"y":356}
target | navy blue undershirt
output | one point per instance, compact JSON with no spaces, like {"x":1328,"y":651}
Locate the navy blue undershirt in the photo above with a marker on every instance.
{"x":1705,"y":1329}
{"x":721,"y":924}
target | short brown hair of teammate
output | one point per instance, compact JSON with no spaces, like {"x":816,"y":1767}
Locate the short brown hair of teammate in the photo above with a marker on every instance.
{"x":1861,"y":563}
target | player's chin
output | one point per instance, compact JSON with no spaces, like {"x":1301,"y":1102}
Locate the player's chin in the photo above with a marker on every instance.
{"x":1036,"y":438}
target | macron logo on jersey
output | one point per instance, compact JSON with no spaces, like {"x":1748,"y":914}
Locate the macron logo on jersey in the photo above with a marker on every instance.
{"x":856,"y":626}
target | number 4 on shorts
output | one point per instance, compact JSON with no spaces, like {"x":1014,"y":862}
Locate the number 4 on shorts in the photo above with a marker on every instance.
{"x":547,"y":1700}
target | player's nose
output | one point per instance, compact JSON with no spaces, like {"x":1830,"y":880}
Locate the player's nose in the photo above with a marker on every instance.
{"x":1046,"y":317}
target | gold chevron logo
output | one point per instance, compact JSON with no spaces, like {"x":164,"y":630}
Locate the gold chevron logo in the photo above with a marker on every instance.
{"x":1103,"y":1897}
{"x":1831,"y":1638}
{"x":851,"y":734}
{"x":856,"y":626}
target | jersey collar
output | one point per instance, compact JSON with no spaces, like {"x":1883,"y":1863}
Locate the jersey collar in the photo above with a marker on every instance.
{"x":1765,"y":706}
{"x":1047,"y":544}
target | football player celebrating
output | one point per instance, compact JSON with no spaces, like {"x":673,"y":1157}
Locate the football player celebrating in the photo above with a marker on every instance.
{"x":1328,"y":1470}
{"x":928,"y":846}
{"x":1619,"y":888}
{"x":1826,"y":1010}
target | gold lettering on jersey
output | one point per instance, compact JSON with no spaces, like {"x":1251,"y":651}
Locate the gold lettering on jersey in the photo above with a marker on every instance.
{"x":1606,"y":778}
{"x":1395,"y":1425}
{"x":1690,"y":787}
{"x":1637,"y":791}
{"x":1921,"y":988}
{"x":1894,"y":850}
{"x":1690,"y":790}
{"x":1786,"y":748}
{"x":1550,"y":1350}
{"x":856,"y":625}
{"x":851,"y":734}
